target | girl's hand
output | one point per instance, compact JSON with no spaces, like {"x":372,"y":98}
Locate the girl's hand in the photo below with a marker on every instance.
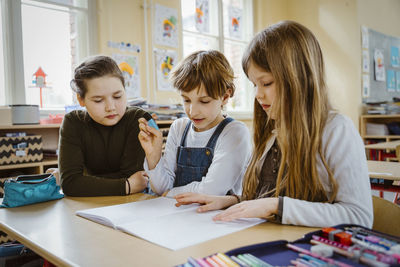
{"x":258,"y":208}
{"x":138,"y":182}
{"x":151,"y":141}
{"x":56,"y":174}
{"x":208,"y":202}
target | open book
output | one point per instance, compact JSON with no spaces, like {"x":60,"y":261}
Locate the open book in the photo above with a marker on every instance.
{"x":159,"y":221}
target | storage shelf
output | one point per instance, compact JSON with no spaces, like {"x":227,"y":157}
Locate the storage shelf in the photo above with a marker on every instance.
{"x":45,"y":162}
{"x":29,"y":126}
{"x":381,"y":136}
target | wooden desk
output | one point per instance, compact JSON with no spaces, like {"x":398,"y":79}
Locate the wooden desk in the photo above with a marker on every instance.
{"x":52,"y":230}
{"x":391,"y":145}
{"x":384,"y":170}
{"x":387,"y":171}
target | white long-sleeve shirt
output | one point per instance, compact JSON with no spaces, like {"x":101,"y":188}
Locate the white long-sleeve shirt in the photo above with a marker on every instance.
{"x":345,"y":155}
{"x":231,"y":154}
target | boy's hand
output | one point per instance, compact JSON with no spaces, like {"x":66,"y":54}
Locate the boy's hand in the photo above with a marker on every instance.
{"x":151,"y":141}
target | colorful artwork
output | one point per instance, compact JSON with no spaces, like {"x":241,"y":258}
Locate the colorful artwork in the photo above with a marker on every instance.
{"x":398,"y":81}
{"x":379,"y":65}
{"x":166,"y":26}
{"x":169,"y":26}
{"x":166,"y":65}
{"x":165,"y":61}
{"x":124,"y":46}
{"x":202,"y":21}
{"x":129,"y":66}
{"x":39,"y":81}
{"x":394,"y":57}
{"x":235,"y":28}
{"x":391,"y":81}
{"x":364,"y":37}
{"x":365,"y":85}
{"x":365,"y":61}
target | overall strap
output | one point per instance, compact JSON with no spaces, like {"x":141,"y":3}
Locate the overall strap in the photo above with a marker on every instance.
{"x":183,"y":139}
{"x":213,"y":140}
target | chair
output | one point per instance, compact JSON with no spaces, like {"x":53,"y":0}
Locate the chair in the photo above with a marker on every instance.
{"x":386,"y":216}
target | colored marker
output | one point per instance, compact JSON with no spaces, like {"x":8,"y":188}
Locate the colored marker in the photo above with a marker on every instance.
{"x":150,"y":121}
{"x":328,"y":260}
{"x":258,"y":260}
{"x":219,"y":261}
{"x":227,"y":260}
{"x":247,"y":261}
{"x":193,"y":262}
{"x":202,"y":262}
{"x":239,"y":261}
{"x":211,"y":262}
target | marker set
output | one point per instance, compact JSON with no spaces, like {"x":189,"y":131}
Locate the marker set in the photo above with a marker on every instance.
{"x":342,"y":245}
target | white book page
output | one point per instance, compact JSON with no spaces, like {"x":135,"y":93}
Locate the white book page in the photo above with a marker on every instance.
{"x":179,"y":230}
{"x":115,"y":215}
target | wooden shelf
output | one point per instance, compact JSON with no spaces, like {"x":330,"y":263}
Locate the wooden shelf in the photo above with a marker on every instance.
{"x":45,"y":162}
{"x":378,"y":119}
{"x":29,"y":126}
{"x":381,"y":136}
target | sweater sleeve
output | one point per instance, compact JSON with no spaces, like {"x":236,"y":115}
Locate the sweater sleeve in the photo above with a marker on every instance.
{"x":74,"y":181}
{"x":226,"y":171}
{"x":345,"y":156}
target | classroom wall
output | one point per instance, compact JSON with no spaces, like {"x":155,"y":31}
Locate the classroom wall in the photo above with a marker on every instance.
{"x":336,"y":23}
{"x":124,"y":20}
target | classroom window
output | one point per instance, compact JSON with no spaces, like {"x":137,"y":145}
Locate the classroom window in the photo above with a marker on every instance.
{"x":52,"y":35}
{"x":2,"y":78}
{"x":55,"y":47}
{"x":224,"y":25}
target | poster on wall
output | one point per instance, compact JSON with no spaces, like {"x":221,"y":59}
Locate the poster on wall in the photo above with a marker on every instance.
{"x":398,"y":81}
{"x":391,"y":81}
{"x":129,"y":66}
{"x":166,"y":26}
{"x":235,"y":22}
{"x":202,"y":16}
{"x":379,"y":65}
{"x":394,"y":56}
{"x":365,"y":85}
{"x":364,"y":37}
{"x":165,"y":60}
{"x":365,"y":61}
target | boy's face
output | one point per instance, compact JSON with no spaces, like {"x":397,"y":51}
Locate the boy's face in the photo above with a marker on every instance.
{"x":204,"y":111}
{"x":105,"y":100}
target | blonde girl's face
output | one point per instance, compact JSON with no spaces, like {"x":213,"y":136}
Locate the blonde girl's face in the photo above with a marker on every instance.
{"x":204,"y":111}
{"x":105,"y":100}
{"x":264,"y":84}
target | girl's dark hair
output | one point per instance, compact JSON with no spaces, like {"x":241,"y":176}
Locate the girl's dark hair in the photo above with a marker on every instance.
{"x":94,"y":67}
{"x":208,"y":68}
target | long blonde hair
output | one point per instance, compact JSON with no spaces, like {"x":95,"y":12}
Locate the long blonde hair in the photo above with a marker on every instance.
{"x":291,"y":53}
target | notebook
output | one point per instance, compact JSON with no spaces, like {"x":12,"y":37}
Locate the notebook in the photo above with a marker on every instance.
{"x":160,"y":222}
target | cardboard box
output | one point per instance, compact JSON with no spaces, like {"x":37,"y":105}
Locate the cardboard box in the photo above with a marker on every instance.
{"x":5,"y":115}
{"x":21,"y":149}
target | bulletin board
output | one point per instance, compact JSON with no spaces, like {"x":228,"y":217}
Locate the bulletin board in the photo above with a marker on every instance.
{"x":380,"y":66}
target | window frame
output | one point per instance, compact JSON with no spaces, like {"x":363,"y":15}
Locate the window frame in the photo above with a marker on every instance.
{"x":13,"y":47}
{"x":240,"y":114}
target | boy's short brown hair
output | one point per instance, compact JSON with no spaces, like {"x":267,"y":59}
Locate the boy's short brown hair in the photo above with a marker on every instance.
{"x":208,"y":68}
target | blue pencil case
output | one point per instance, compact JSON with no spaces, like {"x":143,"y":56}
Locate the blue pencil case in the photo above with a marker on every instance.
{"x":30,"y":189}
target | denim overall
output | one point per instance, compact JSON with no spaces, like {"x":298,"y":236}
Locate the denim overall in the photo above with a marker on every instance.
{"x":193,"y":162}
